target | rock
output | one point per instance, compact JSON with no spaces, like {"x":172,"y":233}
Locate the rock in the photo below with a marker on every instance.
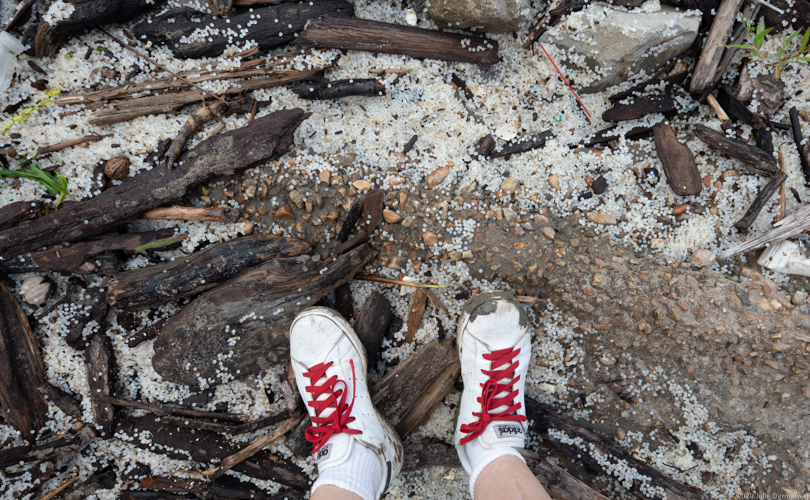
{"x":285,"y":212}
{"x":494,"y":16}
{"x":510,"y":185}
{"x":767,"y":89}
{"x":799,"y":298}
{"x":616,"y":44}
{"x":554,"y":181}
{"x":603,"y":219}
{"x":325,"y":176}
{"x":548,"y":231}
{"x":507,"y":131}
{"x":429,"y":238}
{"x":361,"y":185}
{"x":398,"y":262}
{"x":467,"y":255}
{"x":703,"y":258}
{"x":391,"y":217}
{"x":509,"y":215}
{"x":437,"y":176}
{"x":599,"y":185}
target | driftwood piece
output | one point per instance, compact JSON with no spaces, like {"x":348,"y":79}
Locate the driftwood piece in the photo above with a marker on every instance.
{"x":759,"y":202}
{"x":795,"y":16}
{"x":682,"y":173}
{"x":223,"y":154}
{"x":170,"y":410}
{"x":203,"y":115}
{"x":79,"y":257}
{"x":605,"y":136}
{"x":67,"y":403}
{"x":763,"y":137}
{"x":19,"y":212}
{"x":767,"y":89}
{"x":175,"y":484}
{"x":733,"y":107}
{"x":372,"y":214}
{"x":523,"y":144}
{"x":206,"y":214}
{"x":752,"y":157}
{"x":20,"y":15}
{"x":338,"y":88}
{"x":372,"y":323}
{"x":641,"y":106}
{"x":415,"y":314}
{"x":408,"y":394}
{"x":560,"y":484}
{"x":344,"y":303}
{"x":278,"y":26}
{"x":225,"y":428}
{"x":124,"y":110}
{"x":205,"y":447}
{"x":82,"y":306}
{"x":21,"y":370}
{"x":714,"y":46}
{"x":198,"y":272}
{"x":47,"y":38}
{"x":376,"y":36}
{"x":231,"y":488}
{"x":791,"y":225}
{"x":423,"y":455}
{"x":542,"y":419}
{"x":99,"y":360}
{"x":257,"y":308}
{"x":796,"y":126}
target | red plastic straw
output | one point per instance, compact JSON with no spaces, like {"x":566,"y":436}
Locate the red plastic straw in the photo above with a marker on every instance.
{"x":566,"y":81}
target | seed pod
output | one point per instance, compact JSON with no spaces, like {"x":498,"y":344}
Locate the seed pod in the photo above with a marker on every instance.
{"x":36,"y":290}
{"x":117,"y":168}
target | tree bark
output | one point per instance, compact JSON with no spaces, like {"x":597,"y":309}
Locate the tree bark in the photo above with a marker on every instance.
{"x":223,"y":154}
{"x":753,"y":158}
{"x":682,"y":173}
{"x":155,"y":285}
{"x":100,"y":359}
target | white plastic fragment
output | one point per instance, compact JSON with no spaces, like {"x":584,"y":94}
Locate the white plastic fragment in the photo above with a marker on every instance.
{"x":10,"y":47}
{"x":785,"y":257}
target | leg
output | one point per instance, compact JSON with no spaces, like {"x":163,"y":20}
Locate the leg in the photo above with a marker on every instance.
{"x":508,"y":477}
{"x":329,"y":492}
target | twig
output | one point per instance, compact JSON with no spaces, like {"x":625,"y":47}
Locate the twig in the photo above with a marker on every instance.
{"x":208,"y":214}
{"x":227,"y":417}
{"x":797,"y":138}
{"x":121,"y":43}
{"x":59,"y":489}
{"x":566,"y":81}
{"x":392,"y":281}
{"x":253,"y":111}
{"x":782,"y":200}
{"x":393,"y":71}
{"x":718,"y":109}
{"x":254,"y":447}
{"x":73,"y":142}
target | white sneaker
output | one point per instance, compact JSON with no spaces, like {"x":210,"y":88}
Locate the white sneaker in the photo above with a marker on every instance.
{"x":494,"y":346}
{"x":329,"y":362}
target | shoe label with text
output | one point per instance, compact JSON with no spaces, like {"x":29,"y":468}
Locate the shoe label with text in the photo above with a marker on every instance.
{"x":508,"y":430}
{"x":324,"y":453}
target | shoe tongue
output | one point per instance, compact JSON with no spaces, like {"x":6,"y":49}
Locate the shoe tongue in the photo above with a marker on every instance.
{"x":335,"y":451}
{"x":504,"y":433}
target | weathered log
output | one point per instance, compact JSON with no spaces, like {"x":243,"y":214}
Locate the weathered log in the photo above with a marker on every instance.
{"x":231,"y":488}
{"x":207,"y":214}
{"x":424,"y":455}
{"x":21,"y":370}
{"x":99,"y":358}
{"x":82,"y":306}
{"x":338,"y":89}
{"x":279,"y":26}
{"x":17,"y":454}
{"x":714,"y":46}
{"x":560,"y":484}
{"x":203,"y":115}
{"x":372,"y":323}
{"x":19,"y":212}
{"x":375,"y":36}
{"x":223,"y":154}
{"x":641,"y":106}
{"x":222,"y":428}
{"x":198,"y":272}
{"x":523,"y":144}
{"x":543,"y":419}
{"x":204,"y":447}
{"x":759,"y":202}
{"x":408,"y":394}
{"x":79,"y":257}
{"x":124,"y":110}
{"x":753,"y":158}
{"x":680,"y":168}
{"x":796,"y":126}
{"x":241,"y":326}
{"x":175,"y":484}
{"x":67,"y":403}
{"x":170,"y":410}
{"x":47,"y":38}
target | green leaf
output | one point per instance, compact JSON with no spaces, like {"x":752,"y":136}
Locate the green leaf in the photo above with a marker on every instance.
{"x":100,"y":48}
{"x":160,"y":243}
{"x":746,"y":47}
{"x":766,"y":82}
{"x":55,"y":183}
{"x":790,"y":38}
{"x":803,"y":59}
{"x":68,"y":55}
{"x":757,"y":41}
{"x":806,"y":39}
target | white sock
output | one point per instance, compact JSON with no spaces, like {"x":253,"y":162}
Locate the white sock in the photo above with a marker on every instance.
{"x":359,"y":474}
{"x":481,"y":456}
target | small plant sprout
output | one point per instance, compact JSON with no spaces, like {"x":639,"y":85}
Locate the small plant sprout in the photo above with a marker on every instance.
{"x":784,"y":56}
{"x":55,"y":183}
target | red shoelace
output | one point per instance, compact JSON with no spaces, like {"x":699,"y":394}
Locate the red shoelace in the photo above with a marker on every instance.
{"x":491,"y":389}
{"x":323,"y":428}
